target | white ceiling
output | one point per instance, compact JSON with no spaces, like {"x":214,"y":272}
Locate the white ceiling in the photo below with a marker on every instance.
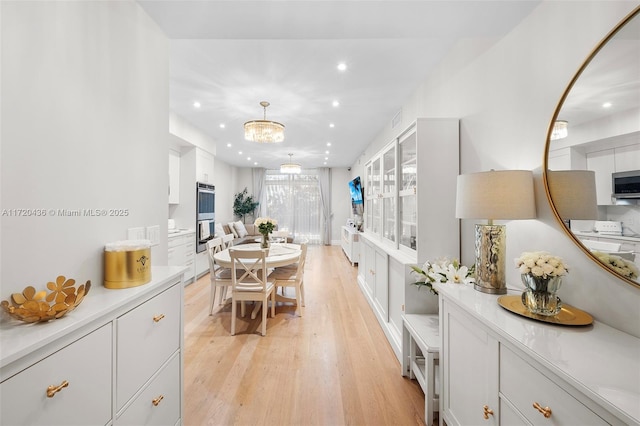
{"x":230,"y":55}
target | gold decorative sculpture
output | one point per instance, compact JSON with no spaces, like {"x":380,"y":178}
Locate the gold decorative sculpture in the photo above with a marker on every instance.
{"x":32,"y":306}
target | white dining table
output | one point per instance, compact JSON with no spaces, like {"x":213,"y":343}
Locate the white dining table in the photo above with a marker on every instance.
{"x":280,"y":254}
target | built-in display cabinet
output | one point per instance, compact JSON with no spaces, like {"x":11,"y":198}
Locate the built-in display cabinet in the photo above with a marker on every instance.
{"x":410,"y":190}
{"x":499,"y":368}
{"x":117,"y":359}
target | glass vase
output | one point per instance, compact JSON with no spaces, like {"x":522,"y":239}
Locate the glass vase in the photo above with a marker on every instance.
{"x":540,"y":296}
{"x":265,"y":241}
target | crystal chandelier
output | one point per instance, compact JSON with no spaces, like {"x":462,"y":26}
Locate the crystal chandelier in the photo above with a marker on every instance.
{"x":290,"y":167}
{"x":264,"y":131}
{"x":560,"y":130}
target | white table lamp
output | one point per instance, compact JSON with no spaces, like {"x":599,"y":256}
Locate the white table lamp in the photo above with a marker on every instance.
{"x":494,"y":195}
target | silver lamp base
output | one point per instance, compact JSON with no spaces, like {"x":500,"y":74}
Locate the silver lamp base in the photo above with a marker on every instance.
{"x":490,"y":263}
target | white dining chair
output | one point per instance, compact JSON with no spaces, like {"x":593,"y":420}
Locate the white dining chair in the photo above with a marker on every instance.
{"x":292,"y":276}
{"x":250,"y":283}
{"x":219,"y":277}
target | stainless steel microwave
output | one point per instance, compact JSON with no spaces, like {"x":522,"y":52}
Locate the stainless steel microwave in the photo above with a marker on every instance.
{"x":626,"y":185}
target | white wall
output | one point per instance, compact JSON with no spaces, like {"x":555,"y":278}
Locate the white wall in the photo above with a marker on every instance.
{"x":340,"y":202}
{"x":505,"y":99}
{"x":85,"y":125}
{"x":225,"y":179}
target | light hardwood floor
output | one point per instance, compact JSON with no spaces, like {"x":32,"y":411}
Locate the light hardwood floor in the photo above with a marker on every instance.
{"x":333,"y":366}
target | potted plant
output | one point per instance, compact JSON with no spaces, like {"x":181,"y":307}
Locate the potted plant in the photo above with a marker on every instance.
{"x":244,"y":204}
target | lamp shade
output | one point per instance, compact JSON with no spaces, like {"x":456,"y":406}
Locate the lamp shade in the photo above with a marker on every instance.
{"x":504,"y":194}
{"x":573,"y":193}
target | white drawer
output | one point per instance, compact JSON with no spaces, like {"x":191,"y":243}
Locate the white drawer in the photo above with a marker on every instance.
{"x":164,"y":389}
{"x":176,"y":241}
{"x":144,"y":344}
{"x":522,"y":385}
{"x":85,"y":365}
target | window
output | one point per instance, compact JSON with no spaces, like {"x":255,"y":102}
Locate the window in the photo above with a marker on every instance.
{"x":294,"y":201}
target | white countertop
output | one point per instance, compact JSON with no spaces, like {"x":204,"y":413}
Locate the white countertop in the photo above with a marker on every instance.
{"x":181,"y":232}
{"x":613,"y":237}
{"x":600,"y":361}
{"x":18,"y":339}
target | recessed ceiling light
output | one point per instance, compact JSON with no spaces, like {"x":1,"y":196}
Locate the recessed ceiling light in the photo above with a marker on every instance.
{"x":196,"y":104}
{"x":228,"y":145}
{"x":606,"y":105}
{"x":326,"y":158}
{"x":222,"y":126}
{"x":328,"y":143}
{"x":239,"y":152}
{"x":342,"y":66}
{"x":325,"y":163}
{"x":326,"y":152}
{"x":335,"y":104}
{"x":332,"y":125}
{"x":255,"y":163}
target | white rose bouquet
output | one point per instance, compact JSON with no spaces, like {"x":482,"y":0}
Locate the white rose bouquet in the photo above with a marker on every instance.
{"x":265,"y":225}
{"x":622,"y":266}
{"x":541,"y":264}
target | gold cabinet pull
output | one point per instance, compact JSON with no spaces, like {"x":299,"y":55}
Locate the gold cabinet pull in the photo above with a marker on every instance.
{"x":486,"y":412}
{"x":157,"y":318}
{"x":156,"y":401}
{"x":546,"y":411}
{"x":53,"y":389}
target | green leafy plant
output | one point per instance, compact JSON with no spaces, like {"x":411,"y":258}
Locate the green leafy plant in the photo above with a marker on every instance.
{"x":244,"y":204}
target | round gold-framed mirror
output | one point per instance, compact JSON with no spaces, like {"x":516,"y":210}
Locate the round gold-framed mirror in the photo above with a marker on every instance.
{"x":594,"y":134}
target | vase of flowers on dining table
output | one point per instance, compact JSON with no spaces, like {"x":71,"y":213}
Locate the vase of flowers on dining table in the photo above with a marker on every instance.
{"x":265,"y":225}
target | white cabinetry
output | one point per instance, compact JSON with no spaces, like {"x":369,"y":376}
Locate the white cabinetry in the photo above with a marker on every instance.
{"x":351,"y":244}
{"x":409,"y":218}
{"x":520,"y":369}
{"x":174,"y":177}
{"x":87,"y":395}
{"x":627,"y":158}
{"x":204,"y":166}
{"x":106,"y":361}
{"x":608,"y":161}
{"x":181,"y":252}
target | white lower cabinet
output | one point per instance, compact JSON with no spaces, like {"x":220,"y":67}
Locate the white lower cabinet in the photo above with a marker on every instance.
{"x":159,"y":402}
{"x":147,"y":337}
{"x":181,"y":252}
{"x":469,"y":355}
{"x":116,"y":359}
{"x":38,"y":395}
{"x":498,"y":368}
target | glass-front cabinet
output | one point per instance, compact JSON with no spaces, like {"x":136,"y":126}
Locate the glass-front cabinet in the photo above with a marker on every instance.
{"x":410,"y":191}
{"x":389,"y":193}
{"x":373,"y":190}
{"x":407,"y":192}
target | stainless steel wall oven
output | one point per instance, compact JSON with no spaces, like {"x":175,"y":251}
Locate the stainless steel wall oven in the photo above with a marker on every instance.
{"x":206,"y":214}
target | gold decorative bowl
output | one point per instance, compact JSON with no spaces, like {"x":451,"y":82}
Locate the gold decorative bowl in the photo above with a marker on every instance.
{"x":32,"y":306}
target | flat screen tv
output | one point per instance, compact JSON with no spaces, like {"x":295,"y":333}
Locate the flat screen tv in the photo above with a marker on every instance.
{"x":357,"y":196}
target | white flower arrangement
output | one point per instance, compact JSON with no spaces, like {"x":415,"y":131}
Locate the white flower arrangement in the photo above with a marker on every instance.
{"x":541,"y":264}
{"x":443,"y":270}
{"x":265,"y":225}
{"x":622,"y":266}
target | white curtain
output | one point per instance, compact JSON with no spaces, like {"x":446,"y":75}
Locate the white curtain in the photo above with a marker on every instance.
{"x":324,"y":180}
{"x":294,"y":201}
{"x":258,"y":176}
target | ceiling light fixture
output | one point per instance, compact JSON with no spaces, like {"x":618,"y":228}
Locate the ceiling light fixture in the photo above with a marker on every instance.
{"x":264,"y":131}
{"x":290,"y":167}
{"x":342,"y":66}
{"x":560,"y":130}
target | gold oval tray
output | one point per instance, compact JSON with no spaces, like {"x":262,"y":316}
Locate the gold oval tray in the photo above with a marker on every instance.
{"x":567,"y":316}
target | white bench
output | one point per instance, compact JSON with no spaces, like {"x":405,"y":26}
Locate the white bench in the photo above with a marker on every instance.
{"x":421,"y":353}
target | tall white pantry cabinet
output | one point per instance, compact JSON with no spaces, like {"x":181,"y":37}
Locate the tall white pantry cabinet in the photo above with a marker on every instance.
{"x":410,"y":188}
{"x":117,"y":359}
